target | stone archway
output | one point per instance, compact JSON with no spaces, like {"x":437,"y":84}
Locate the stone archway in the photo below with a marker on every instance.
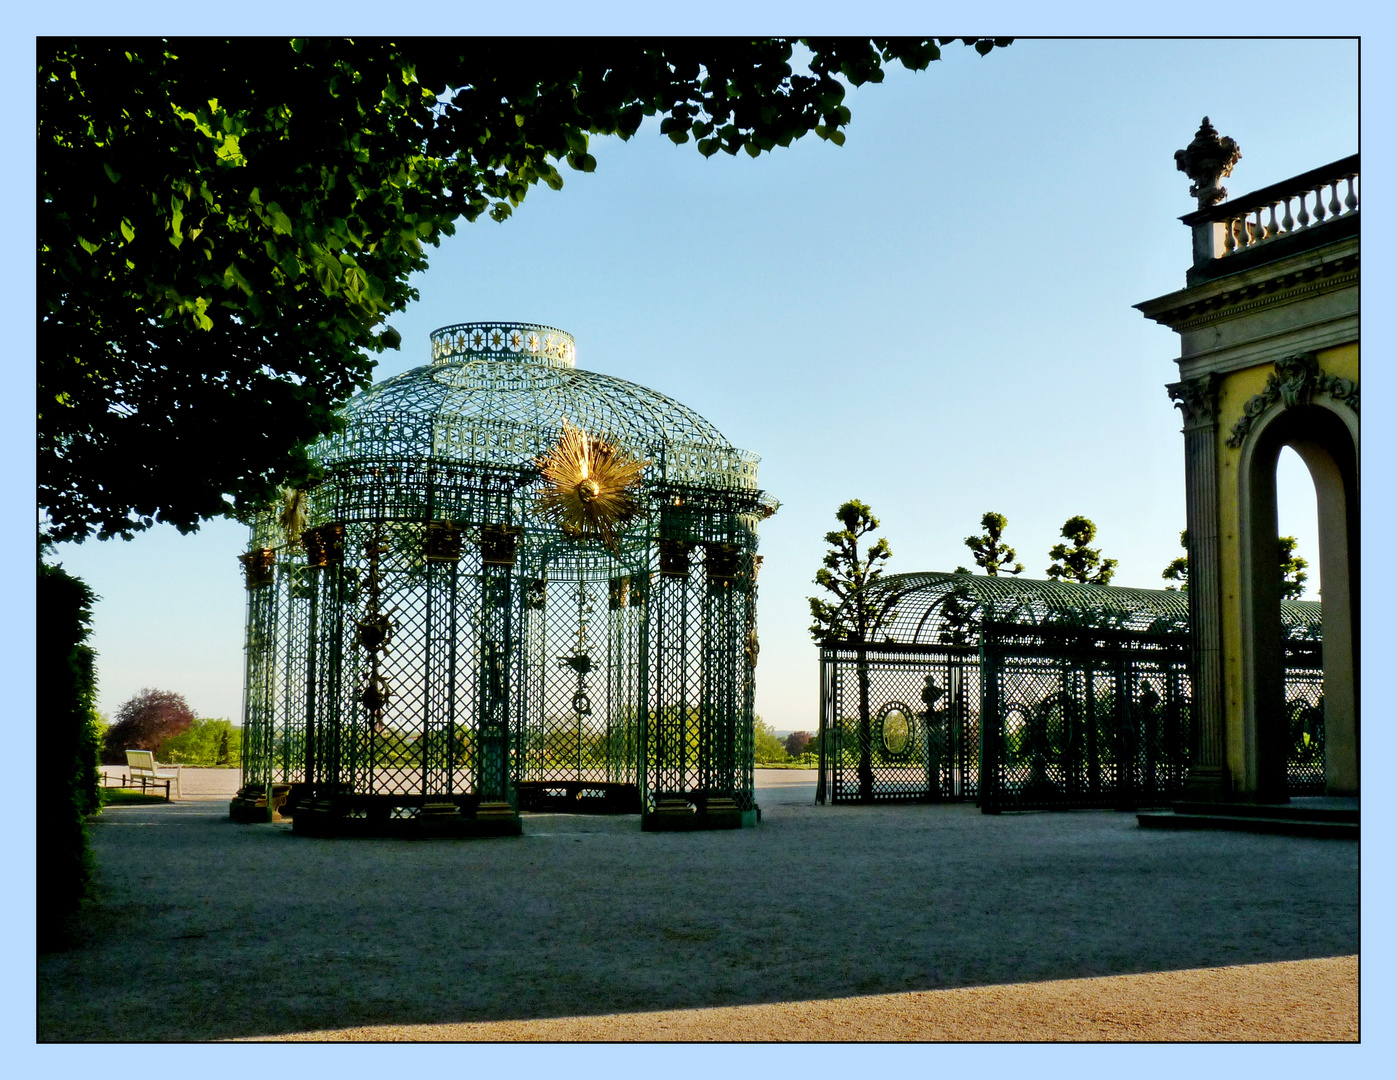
{"x":1324,"y":433}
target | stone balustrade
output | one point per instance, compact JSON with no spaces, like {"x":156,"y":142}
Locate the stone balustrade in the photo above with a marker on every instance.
{"x":1271,"y":213}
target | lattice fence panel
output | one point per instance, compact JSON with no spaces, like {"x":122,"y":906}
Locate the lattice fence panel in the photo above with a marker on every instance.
{"x":921,"y":737}
{"x":1304,"y":707}
{"x":676,"y":684}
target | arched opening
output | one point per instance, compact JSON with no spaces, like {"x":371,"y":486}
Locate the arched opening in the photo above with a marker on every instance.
{"x":1327,"y":444}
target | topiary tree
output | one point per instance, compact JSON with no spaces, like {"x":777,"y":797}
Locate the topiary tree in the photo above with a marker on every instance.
{"x":1080,"y":562}
{"x":847,"y":574}
{"x":856,"y":619}
{"x":1178,"y":569}
{"x":1293,"y":576}
{"x":144,"y":722}
{"x":991,"y":553}
{"x":1292,"y":567}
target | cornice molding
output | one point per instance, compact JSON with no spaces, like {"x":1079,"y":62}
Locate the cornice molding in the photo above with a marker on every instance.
{"x":1192,"y":313}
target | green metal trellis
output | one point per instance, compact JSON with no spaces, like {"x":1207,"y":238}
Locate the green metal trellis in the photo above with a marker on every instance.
{"x":427,"y":653}
{"x":1023,"y":694}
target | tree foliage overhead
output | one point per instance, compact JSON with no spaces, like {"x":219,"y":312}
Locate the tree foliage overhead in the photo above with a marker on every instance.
{"x":146,"y":720}
{"x":847,"y":573}
{"x":991,"y":553}
{"x":1080,"y":562}
{"x":225,"y":226}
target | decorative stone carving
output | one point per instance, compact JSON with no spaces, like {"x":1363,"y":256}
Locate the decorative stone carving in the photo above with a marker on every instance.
{"x":1296,"y":380}
{"x":1206,"y":160}
{"x":1197,"y":398}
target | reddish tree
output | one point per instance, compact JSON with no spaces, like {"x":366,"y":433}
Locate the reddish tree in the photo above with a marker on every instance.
{"x":145,"y":721}
{"x":797,"y":742}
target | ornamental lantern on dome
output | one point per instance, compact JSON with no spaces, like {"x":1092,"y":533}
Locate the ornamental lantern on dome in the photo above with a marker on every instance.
{"x":519,"y":585}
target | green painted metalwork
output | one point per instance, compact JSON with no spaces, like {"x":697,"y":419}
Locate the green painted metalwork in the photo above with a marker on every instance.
{"x":941,"y":609}
{"x":419,"y":635}
{"x":1033,"y":694}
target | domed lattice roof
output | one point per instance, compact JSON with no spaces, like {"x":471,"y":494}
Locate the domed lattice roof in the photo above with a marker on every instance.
{"x":949,"y":609}
{"x":496,"y":396}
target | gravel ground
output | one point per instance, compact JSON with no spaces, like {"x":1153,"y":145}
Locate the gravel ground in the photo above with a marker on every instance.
{"x":250,"y":932}
{"x":1292,"y":1001}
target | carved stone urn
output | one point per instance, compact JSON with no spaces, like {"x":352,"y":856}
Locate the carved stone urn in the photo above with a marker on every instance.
{"x":1207,"y":160}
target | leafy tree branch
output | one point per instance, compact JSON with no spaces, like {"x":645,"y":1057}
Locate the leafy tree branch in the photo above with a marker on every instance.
{"x":224,"y":227}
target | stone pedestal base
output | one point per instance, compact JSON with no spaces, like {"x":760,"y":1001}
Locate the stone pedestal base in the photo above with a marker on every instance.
{"x":679,"y":815}
{"x":250,"y":805}
{"x":1206,"y":785}
{"x":435,"y":820}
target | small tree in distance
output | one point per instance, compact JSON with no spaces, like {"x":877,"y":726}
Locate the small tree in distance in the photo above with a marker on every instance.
{"x":765,"y":745}
{"x":856,"y":619}
{"x":797,"y":742}
{"x":1080,"y":562}
{"x":847,"y":575}
{"x":144,"y":722}
{"x":991,"y":553}
{"x":1178,"y":569}
{"x":1293,"y":576}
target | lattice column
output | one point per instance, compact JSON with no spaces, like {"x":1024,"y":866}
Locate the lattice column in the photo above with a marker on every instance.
{"x":496,"y":669}
{"x":325,"y":562}
{"x":673,"y":692}
{"x":323,"y":731}
{"x":259,"y":702}
{"x":442,"y":553}
{"x":722,"y":611}
{"x":748,"y":646}
{"x":991,"y":733}
{"x":297,"y":689}
{"x":829,"y":719}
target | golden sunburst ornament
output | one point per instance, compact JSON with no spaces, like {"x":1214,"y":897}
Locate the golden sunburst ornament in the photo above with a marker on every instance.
{"x":589,"y":486}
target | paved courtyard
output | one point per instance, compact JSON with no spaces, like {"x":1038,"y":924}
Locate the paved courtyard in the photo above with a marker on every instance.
{"x":210,"y":930}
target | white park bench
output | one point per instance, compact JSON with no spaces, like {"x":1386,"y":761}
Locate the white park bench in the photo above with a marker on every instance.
{"x":143,"y":768}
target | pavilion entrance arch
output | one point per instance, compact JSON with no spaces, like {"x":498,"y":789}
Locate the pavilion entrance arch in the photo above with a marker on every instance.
{"x":1323,"y":431}
{"x":585,"y":642}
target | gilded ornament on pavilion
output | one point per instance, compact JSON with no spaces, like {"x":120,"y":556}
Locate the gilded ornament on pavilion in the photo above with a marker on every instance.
{"x":589,"y":486}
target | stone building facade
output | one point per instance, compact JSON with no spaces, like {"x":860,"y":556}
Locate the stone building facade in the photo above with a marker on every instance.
{"x":1268,"y":323}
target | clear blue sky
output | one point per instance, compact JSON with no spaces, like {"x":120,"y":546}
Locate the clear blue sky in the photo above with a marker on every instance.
{"x":935,"y":318}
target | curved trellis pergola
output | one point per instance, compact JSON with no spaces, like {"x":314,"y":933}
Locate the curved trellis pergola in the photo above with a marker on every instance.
{"x":1024,"y":693}
{"x":950,"y":609}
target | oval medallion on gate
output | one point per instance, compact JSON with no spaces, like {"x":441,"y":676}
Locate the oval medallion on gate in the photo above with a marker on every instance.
{"x":895,"y":729}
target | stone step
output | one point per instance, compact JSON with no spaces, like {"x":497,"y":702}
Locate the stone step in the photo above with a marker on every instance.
{"x":1343,"y":810}
{"x":1284,"y":826}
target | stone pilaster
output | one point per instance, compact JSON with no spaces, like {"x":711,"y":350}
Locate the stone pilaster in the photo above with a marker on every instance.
{"x":1197,"y":398}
